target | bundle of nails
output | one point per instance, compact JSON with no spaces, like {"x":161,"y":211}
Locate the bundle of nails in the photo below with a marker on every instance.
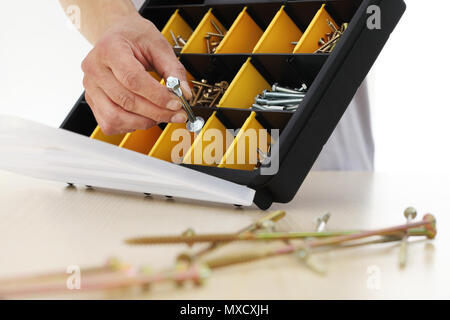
{"x":179,"y":42}
{"x":194,"y":267}
{"x":280,"y":99}
{"x":327,"y":45}
{"x":213,"y":39}
{"x":207,"y":95}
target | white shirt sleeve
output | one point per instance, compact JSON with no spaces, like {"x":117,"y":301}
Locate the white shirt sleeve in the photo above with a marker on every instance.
{"x":138,"y":3}
{"x":351,"y":146}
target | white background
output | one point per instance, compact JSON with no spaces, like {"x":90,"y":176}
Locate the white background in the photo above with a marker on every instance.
{"x":40,"y":57}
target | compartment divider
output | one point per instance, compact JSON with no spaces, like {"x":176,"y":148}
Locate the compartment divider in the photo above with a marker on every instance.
{"x":206,"y":142}
{"x":318,"y":28}
{"x":178,"y":26}
{"x":197,"y":43}
{"x":241,"y":146}
{"x":141,"y":141}
{"x":235,"y":41}
{"x":279,"y":35}
{"x":245,"y":86}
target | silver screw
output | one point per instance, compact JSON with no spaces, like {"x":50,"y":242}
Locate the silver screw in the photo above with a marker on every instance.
{"x":268,"y":94}
{"x":410,"y":214}
{"x":212,"y":34}
{"x":278,"y":102}
{"x":216,"y":27}
{"x":322,"y":222}
{"x":194,"y":123}
{"x":174,"y":39}
{"x":303,"y":88}
{"x":277,"y":88}
{"x":181,"y":40}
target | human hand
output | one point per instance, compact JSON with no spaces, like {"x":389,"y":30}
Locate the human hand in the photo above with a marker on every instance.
{"x":119,"y":90}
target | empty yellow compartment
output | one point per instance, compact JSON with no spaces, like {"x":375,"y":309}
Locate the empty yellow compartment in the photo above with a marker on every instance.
{"x":114,"y":139}
{"x":210,"y":145}
{"x":178,"y":26}
{"x":318,"y":28}
{"x":243,"y":152}
{"x":141,"y":141}
{"x":242,"y":91}
{"x":197,"y":42}
{"x":173,"y":144}
{"x":242,"y":36}
{"x":279,"y":35}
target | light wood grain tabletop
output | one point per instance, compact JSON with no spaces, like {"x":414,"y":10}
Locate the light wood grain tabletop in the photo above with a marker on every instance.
{"x":47,"y":226}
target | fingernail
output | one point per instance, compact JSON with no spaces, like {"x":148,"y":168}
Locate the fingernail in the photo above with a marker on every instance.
{"x":180,"y":117}
{"x":174,"y":105}
{"x":186,"y":90}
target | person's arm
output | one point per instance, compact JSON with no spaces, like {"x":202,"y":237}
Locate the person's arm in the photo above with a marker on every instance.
{"x":119,"y":90}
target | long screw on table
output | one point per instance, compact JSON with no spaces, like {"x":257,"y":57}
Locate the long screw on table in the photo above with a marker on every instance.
{"x":258,"y":225}
{"x":388,"y":235}
{"x":197,"y":274}
{"x":273,"y":236}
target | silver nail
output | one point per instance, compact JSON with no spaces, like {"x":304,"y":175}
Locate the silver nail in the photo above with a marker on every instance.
{"x":278,"y":102}
{"x":277,"y":88}
{"x":267,"y":94}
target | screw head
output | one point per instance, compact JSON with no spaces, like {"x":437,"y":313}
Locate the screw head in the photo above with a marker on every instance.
{"x":173,"y":84}
{"x":410,"y":212}
{"x":195,"y":126}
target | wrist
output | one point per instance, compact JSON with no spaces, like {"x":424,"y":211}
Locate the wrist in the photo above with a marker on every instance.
{"x":114,"y":12}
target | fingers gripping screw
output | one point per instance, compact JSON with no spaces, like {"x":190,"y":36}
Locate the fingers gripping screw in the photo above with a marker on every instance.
{"x":194,"y":124}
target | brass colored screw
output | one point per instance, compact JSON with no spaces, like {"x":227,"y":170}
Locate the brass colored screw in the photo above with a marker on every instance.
{"x":208,"y":43}
{"x":258,"y":225}
{"x":216,"y":27}
{"x":206,"y":94}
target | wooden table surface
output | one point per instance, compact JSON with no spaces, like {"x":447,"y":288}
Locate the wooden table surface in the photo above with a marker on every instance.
{"x":46,"y":226}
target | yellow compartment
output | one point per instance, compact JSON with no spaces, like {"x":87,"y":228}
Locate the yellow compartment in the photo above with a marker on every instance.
{"x":279,"y":35}
{"x":318,"y":28}
{"x":175,"y":139}
{"x":242,"y":36}
{"x":210,"y":145}
{"x":178,"y":26}
{"x":247,"y":84}
{"x":114,"y":139}
{"x":197,"y":42}
{"x":141,"y":141}
{"x":243,"y":152}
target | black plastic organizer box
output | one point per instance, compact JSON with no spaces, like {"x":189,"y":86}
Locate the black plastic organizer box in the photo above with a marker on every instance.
{"x":332,"y":78}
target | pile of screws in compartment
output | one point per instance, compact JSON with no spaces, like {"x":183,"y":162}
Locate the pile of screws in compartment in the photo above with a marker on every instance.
{"x":280,"y":99}
{"x":207,"y":95}
{"x":178,"y":41}
{"x":327,"y":45}
{"x":213,"y":39}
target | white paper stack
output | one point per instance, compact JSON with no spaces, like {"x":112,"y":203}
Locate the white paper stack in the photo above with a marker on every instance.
{"x":36,"y":150}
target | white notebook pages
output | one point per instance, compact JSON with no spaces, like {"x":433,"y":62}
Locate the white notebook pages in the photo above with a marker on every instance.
{"x":40,"y":151}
